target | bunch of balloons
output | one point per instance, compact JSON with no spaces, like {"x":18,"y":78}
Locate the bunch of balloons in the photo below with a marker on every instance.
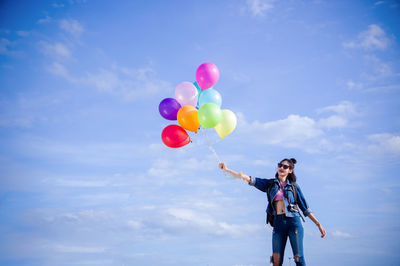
{"x":196,"y":104}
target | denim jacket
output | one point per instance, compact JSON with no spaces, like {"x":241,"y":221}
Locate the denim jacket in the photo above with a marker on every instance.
{"x":262,"y":184}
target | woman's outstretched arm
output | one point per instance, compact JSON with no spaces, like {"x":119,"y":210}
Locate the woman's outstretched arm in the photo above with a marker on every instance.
{"x":317,"y":223}
{"x":240,"y":175}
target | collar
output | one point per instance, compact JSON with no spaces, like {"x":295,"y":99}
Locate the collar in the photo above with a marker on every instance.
{"x":287,"y":181}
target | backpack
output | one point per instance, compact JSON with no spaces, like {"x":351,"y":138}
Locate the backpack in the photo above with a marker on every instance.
{"x":270,"y":216}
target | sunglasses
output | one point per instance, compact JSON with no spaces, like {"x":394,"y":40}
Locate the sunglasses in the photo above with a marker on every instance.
{"x":284,"y":166}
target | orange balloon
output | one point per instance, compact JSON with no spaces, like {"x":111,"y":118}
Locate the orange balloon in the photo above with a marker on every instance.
{"x":187,"y":118}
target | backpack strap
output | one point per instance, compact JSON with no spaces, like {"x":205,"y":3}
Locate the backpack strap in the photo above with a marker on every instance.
{"x":270,"y":217}
{"x":270,"y":183}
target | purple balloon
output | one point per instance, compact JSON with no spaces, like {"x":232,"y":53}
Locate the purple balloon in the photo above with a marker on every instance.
{"x":168,"y":108}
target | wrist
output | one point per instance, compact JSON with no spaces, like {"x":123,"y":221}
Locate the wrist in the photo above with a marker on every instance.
{"x":241,"y":175}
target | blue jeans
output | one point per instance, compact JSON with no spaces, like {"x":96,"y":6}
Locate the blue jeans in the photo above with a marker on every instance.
{"x":284,"y":227}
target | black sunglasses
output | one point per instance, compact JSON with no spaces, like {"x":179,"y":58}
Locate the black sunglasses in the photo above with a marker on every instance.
{"x":284,"y":166}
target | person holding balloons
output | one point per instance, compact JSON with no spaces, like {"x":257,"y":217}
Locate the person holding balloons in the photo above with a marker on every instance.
{"x":198,"y":104}
{"x":284,"y":200}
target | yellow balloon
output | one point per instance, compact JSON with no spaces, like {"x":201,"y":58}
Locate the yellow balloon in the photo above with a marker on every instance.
{"x":227,"y":124}
{"x":187,"y":118}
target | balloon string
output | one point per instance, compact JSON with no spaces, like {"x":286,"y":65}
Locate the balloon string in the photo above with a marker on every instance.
{"x":212,"y":149}
{"x":195,"y":141}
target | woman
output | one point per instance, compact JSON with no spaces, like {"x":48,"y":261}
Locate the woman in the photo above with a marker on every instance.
{"x":285,"y":195}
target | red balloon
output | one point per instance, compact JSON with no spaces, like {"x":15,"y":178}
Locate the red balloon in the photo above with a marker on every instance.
{"x":175,"y":136}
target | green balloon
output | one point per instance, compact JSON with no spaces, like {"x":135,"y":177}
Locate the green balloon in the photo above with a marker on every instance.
{"x":209,"y":115}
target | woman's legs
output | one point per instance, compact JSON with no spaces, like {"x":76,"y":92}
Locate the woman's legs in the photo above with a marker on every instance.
{"x":296,"y":234}
{"x":279,"y":239}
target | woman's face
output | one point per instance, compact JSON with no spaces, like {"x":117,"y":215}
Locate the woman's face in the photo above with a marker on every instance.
{"x":281,"y":169}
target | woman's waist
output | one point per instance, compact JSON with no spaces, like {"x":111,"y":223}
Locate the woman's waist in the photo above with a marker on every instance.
{"x":280,"y":208}
{"x":284,"y":217}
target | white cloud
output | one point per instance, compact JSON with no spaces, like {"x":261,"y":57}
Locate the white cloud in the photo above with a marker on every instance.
{"x":240,"y":77}
{"x":106,"y":81}
{"x":296,"y":131}
{"x":155,"y":147}
{"x":163,"y":168}
{"x":56,"y":5}
{"x":344,"y":111}
{"x":259,"y":7}
{"x":333,"y":121}
{"x":384,"y":88}
{"x":60,"y":70}
{"x":77,"y":2}
{"x":128,"y":84}
{"x":166,"y":168}
{"x":5,"y":31}
{"x":23,"y":33}
{"x":7,"y":120}
{"x":80,"y":183}
{"x":262,"y":162}
{"x":134,"y":224}
{"x":292,"y":131}
{"x":72,"y":27}
{"x":85,"y":153}
{"x":188,"y":219}
{"x":343,"y":108}
{"x":86,"y":216}
{"x":96,"y":199}
{"x":340,"y":234}
{"x":374,"y":38}
{"x":5,"y":45}
{"x":183,"y":216}
{"x":44,"y":20}
{"x":178,"y":214}
{"x":379,"y":75}
{"x":380,"y":69}
{"x":387,"y":190}
{"x":77,"y":249}
{"x":25,"y":110}
{"x":354,"y":85}
{"x":384,"y":143}
{"x":58,"y":49}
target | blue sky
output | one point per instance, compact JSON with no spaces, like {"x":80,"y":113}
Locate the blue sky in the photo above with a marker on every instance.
{"x":86,"y":180}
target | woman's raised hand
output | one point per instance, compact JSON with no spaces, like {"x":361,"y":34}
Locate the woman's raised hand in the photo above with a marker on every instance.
{"x":222,"y":166}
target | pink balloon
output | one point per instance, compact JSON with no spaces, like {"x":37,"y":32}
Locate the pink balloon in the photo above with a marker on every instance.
{"x":186,"y":94}
{"x":207,"y":75}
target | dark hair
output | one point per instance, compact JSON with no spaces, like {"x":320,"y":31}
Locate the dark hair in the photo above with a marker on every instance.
{"x":292,"y":162}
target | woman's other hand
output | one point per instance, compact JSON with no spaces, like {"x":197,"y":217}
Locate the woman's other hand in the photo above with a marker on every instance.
{"x":322,"y":230}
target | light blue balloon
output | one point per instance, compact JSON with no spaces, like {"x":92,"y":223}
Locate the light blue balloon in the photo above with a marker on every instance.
{"x":210,"y":96}
{"x":198,"y":92}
